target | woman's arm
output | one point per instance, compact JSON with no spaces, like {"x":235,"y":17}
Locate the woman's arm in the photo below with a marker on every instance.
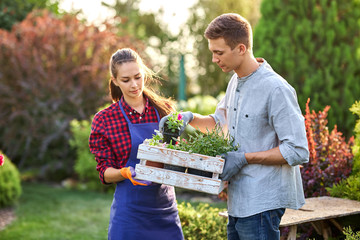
{"x":113,"y":175}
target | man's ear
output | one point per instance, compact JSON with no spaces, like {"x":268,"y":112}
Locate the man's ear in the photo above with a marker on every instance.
{"x":241,"y":48}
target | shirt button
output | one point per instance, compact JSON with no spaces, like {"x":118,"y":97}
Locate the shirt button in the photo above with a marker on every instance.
{"x":130,"y":113}
{"x":140,"y":117}
{"x":234,"y":109}
{"x":233,"y":127}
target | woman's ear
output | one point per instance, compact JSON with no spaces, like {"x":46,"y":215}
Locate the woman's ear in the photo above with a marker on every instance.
{"x":113,"y":80}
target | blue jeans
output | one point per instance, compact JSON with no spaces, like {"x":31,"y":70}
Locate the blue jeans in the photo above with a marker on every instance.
{"x":262,"y":226}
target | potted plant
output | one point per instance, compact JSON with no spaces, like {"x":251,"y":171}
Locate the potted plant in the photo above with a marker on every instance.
{"x":172,"y":128}
{"x":171,"y":134}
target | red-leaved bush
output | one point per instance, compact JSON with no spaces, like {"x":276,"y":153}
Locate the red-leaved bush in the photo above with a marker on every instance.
{"x":52,"y":70}
{"x":330,"y":155}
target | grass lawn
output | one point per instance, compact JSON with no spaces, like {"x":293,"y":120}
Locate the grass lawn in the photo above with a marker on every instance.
{"x":54,"y":213}
{"x":46,"y":212}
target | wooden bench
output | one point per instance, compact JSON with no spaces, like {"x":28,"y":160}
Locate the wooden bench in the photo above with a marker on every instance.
{"x":317,"y":211}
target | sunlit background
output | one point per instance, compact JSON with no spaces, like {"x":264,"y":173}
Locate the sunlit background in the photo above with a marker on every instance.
{"x":175,"y":12}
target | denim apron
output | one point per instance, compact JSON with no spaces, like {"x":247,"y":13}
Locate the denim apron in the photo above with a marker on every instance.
{"x":143,"y":212}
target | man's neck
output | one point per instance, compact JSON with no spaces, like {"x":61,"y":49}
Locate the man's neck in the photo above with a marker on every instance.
{"x":248,"y":66}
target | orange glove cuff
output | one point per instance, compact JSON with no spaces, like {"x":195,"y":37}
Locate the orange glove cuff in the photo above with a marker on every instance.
{"x":126,"y":173}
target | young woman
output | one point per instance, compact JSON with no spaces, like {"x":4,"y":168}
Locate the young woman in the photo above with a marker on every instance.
{"x":140,"y":210}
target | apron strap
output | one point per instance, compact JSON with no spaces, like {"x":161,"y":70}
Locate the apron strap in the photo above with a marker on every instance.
{"x":127,"y":118}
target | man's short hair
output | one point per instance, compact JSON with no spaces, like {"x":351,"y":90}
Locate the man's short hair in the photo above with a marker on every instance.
{"x":234,"y":28}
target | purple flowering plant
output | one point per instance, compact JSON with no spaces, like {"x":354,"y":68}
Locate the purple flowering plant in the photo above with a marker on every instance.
{"x":174,"y":122}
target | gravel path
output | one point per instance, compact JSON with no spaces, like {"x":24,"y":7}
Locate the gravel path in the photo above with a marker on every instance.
{"x":7,"y":215}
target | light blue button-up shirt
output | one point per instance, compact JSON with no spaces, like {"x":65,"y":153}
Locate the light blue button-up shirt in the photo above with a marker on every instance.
{"x":261,"y":112}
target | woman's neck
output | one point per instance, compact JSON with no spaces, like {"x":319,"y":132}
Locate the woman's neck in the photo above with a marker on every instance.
{"x":138,"y":104}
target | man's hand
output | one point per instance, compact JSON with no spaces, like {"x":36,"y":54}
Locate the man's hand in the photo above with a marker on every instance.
{"x":187,"y":117}
{"x":234,"y":161}
{"x":129,"y":173}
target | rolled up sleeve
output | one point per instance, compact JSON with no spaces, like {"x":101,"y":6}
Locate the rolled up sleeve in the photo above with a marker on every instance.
{"x":289,"y":124}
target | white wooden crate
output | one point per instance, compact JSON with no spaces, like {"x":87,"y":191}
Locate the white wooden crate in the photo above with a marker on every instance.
{"x":212,"y":185}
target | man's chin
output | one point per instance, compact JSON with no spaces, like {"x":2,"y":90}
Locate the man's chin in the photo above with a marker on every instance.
{"x":226,"y":70}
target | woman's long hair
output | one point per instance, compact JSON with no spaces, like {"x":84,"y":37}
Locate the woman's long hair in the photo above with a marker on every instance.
{"x":163,"y":105}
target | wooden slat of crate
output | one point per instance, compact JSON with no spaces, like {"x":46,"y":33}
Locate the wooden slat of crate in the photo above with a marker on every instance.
{"x":179,"y":179}
{"x":180,"y":158}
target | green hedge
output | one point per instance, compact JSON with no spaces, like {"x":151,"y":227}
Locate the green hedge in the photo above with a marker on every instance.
{"x":10,"y":187}
{"x":202,"y":222}
{"x":85,"y":164}
{"x":310,"y":45}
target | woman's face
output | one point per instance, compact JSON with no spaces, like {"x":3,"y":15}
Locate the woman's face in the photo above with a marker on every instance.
{"x":130,"y":79}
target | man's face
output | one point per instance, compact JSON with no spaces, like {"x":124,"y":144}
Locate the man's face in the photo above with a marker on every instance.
{"x":223,"y":56}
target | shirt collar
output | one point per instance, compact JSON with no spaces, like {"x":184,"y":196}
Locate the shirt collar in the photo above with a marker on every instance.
{"x":262,"y":63}
{"x":127,"y":107}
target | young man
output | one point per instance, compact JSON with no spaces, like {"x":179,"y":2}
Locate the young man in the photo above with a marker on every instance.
{"x":261,"y":112}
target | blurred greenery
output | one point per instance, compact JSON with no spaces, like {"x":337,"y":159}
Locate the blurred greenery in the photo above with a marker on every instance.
{"x":315,"y":46}
{"x":13,"y":11}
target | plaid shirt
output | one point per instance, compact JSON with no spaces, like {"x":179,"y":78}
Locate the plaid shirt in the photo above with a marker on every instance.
{"x":110,"y":139}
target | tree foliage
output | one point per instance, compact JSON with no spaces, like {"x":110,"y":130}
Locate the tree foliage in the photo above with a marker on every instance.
{"x":162,"y":51}
{"x":315,"y":45}
{"x":51,"y":71}
{"x":210,"y":77}
{"x":13,"y":11}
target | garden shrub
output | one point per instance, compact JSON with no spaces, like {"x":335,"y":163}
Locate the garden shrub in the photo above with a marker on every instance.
{"x":347,"y":188}
{"x":202,"y":222}
{"x":355,"y":109}
{"x":330,"y":155}
{"x":52,"y":70}
{"x":350,"y":235}
{"x":308,"y":43}
{"x":350,"y":187}
{"x":10,"y":186}
{"x":85,"y":164}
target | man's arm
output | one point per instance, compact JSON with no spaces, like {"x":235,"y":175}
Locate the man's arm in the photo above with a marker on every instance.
{"x":203,"y":122}
{"x":269,"y":157}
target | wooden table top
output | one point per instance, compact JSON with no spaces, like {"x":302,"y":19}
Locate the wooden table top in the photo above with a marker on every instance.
{"x":318,"y":208}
